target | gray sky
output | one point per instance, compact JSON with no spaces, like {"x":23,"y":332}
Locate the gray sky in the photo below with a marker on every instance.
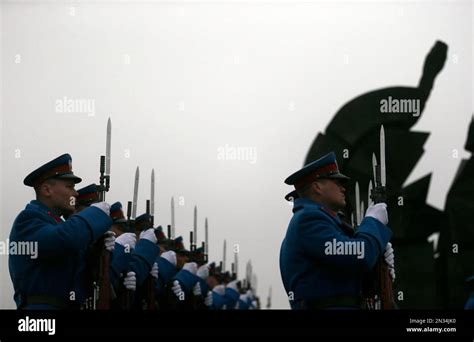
{"x":185,"y":82}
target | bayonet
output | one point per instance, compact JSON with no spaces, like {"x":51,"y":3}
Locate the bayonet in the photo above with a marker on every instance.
{"x":374,"y":168}
{"x":254,"y":283}
{"x":383,"y":175}
{"x":101,"y":288}
{"x":194,"y":242}
{"x":152,"y":197}
{"x":236,"y":263}
{"x":206,"y":237}
{"x":172,"y":219}
{"x":248,"y":272}
{"x":369,"y":199}
{"x":107,"y":147}
{"x":135,"y":193}
{"x":384,"y":298}
{"x":224,"y":256}
{"x":269,"y":299}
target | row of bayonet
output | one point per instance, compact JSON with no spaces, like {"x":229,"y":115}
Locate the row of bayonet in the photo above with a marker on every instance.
{"x":103,"y":292}
{"x":382,"y":298}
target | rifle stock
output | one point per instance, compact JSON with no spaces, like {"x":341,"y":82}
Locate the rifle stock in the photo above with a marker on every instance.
{"x":103,"y":302}
{"x":384,"y":282}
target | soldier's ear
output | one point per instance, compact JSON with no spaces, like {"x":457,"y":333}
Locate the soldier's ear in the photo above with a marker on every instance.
{"x":317,"y":187}
{"x":46,"y":188}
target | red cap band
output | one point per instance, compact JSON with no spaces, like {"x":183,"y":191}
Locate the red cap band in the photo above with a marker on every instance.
{"x":322,"y":171}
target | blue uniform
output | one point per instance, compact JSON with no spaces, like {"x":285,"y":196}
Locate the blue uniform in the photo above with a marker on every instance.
{"x":119,"y":259}
{"x":243,"y":303}
{"x":470,"y":302}
{"x":218,"y":301}
{"x":48,"y":280}
{"x":187,"y":280}
{"x":166,"y":271}
{"x":139,"y":260}
{"x":142,"y":259}
{"x":231,"y":297}
{"x":312,"y":271}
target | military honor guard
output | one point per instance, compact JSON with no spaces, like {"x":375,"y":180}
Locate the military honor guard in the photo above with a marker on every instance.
{"x":322,"y":260}
{"x":50,"y":280}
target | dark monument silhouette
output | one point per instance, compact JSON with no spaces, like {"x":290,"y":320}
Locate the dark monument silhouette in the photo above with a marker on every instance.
{"x":427,"y":278}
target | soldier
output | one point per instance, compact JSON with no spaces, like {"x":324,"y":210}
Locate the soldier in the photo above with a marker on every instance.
{"x":86,"y":196}
{"x":119,"y":224}
{"x":49,"y":281}
{"x":232,"y":294}
{"x":321,"y":261}
{"x":90,"y":272}
{"x":143,"y":222}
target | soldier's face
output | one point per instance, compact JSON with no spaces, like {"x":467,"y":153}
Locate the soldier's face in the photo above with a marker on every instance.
{"x":212,"y":282}
{"x":118,"y":229}
{"x":61,"y":195}
{"x":332,"y":193}
{"x":181,"y":259}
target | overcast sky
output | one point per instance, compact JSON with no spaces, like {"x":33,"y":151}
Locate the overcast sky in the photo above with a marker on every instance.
{"x":187,"y":83}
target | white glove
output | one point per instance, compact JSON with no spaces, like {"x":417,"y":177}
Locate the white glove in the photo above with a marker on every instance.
{"x":130,"y":281}
{"x":203,"y":272}
{"x":243,"y":297}
{"x":389,"y":257}
{"x":178,"y":291}
{"x":249,"y":294}
{"x":149,"y":234}
{"x":219,"y":289}
{"x":378,"y":212}
{"x":170,"y":256}
{"x":191,"y":267}
{"x":154,"y":271}
{"x":197,"y":289}
{"x":127,"y":239}
{"x":104,"y":206}
{"x":392,"y":273}
{"x":233,"y":285}
{"x":109,"y":241}
{"x":208,"y":299}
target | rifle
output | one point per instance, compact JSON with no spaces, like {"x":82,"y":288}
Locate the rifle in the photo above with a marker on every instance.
{"x":379,"y":195}
{"x":131,"y":215}
{"x":103,"y":302}
{"x":206,"y":241}
{"x":198,"y":256}
{"x":150,"y":282}
{"x":194,"y":236}
{"x":269,"y":299}
{"x":128,"y":299}
{"x":172,"y":233}
{"x":204,"y":257}
{"x":192,"y":246}
{"x":224,"y":256}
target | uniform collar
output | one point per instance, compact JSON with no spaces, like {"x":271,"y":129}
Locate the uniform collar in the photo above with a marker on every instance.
{"x":301,"y":203}
{"x":46,"y":209}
